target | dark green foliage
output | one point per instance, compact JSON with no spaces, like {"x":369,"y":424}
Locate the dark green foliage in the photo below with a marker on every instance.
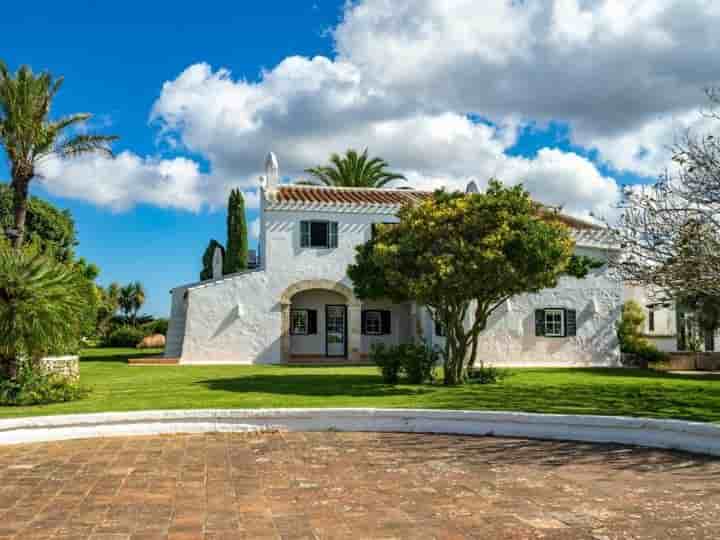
{"x":207,"y":272}
{"x":417,"y":361}
{"x":388,"y":362}
{"x":32,"y":387}
{"x":53,"y":230}
{"x":354,"y":170}
{"x":487,"y":375}
{"x":125,"y":336}
{"x":45,"y":306}
{"x":158,"y":326}
{"x":236,"y":255}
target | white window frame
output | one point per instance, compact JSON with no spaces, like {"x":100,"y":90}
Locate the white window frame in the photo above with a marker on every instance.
{"x":331,"y":238}
{"x":304,"y":317}
{"x":554,"y":311}
{"x":377,"y":314}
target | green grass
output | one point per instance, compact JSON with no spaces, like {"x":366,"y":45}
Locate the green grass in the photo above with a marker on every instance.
{"x":115,"y":386}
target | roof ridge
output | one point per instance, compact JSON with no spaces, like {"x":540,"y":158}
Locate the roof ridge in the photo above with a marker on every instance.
{"x":352,"y":188}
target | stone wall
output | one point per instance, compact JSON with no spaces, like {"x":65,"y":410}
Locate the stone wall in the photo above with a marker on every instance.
{"x":67,"y":366}
{"x":690,"y":361}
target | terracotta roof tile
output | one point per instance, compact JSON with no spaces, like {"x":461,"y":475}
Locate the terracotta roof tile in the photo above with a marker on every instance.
{"x":347,"y":195}
{"x":389,"y":197}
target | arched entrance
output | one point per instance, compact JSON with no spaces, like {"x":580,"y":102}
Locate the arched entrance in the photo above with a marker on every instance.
{"x":320,"y":318}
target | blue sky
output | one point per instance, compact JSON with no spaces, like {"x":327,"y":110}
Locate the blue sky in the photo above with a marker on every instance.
{"x":114,"y":67}
{"x":573,"y":105}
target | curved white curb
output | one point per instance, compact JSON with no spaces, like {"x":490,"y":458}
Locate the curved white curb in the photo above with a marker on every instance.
{"x":672,"y":434}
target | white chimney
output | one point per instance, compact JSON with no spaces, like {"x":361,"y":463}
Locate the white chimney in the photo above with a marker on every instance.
{"x":272,"y":172}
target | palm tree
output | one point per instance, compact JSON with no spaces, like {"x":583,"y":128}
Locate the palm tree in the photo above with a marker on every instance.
{"x":29,"y":136}
{"x":354,"y":170}
{"x":40,"y":299}
{"x":131,"y":298}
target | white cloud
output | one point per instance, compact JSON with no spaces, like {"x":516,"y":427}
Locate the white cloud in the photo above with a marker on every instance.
{"x":624,"y":74}
{"x":126,"y":180}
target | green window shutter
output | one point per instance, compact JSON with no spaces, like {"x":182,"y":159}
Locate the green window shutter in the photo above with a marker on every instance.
{"x":363,"y":322}
{"x":333,"y":234}
{"x":304,"y":234}
{"x":539,"y":322}
{"x":312,"y":321}
{"x":570,"y":322}
{"x":386,"y":316}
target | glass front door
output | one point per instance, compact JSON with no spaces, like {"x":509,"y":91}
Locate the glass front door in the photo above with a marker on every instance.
{"x":335,"y":330}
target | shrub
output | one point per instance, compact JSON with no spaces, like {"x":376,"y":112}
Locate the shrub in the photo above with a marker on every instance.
{"x":44,"y":305}
{"x":417,"y":361}
{"x":487,"y":375}
{"x":125,"y":336}
{"x":388,"y":362}
{"x":158,"y":326}
{"x":33,"y":387}
{"x":629,"y":332}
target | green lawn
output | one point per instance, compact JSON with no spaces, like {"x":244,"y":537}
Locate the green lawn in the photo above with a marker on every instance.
{"x":115,"y":386}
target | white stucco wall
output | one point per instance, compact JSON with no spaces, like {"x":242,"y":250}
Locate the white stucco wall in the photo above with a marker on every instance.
{"x":238,"y":319}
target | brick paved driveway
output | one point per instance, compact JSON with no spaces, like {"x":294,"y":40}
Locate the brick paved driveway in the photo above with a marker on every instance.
{"x":335,"y":485}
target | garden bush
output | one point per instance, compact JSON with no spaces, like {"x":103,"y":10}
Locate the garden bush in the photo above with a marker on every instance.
{"x":158,"y":326}
{"x":34,"y":387}
{"x":388,"y":362}
{"x":417,"y":362}
{"x":125,"y":336}
{"x":487,"y":375}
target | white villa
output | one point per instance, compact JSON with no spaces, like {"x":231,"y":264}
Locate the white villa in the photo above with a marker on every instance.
{"x":298,"y":305}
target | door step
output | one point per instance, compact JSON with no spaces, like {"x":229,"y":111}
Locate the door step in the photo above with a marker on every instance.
{"x":153,"y":361}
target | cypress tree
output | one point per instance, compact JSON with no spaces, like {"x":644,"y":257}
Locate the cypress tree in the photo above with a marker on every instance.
{"x":207,"y":260}
{"x":237,"y":238}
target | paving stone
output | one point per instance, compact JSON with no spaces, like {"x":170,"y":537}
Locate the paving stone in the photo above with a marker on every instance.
{"x":353,"y":485}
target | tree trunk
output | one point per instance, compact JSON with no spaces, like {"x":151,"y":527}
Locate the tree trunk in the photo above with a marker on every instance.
{"x":20,"y":187}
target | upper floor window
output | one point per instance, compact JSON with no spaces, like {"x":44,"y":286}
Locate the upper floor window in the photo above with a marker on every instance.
{"x":319,"y":234}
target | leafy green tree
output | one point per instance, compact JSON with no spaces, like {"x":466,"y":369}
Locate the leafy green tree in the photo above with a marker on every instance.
{"x":207,"y":259}
{"x":52,"y":229}
{"x":28,"y":135}
{"x":354,"y":170}
{"x":235,"y":257}
{"x":463,"y":256}
{"x":131,"y":299}
{"x":630,"y":328}
{"x":108,"y":305}
{"x":42,"y":305}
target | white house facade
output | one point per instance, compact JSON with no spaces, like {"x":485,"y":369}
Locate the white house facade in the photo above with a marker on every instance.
{"x":298,"y":305}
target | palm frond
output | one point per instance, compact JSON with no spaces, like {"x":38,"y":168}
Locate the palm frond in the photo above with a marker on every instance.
{"x":85,"y":144}
{"x":354,"y":169}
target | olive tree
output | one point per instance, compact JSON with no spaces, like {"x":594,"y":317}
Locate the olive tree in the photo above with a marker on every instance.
{"x":464,"y":255}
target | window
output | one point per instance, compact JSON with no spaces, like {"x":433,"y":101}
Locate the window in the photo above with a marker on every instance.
{"x":556,"y":322}
{"x":376,"y":322}
{"x":373,"y":323}
{"x":303,"y":322}
{"x":299,"y":322}
{"x":319,"y":234}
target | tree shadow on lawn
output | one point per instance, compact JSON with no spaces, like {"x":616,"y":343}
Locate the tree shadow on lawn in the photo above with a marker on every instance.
{"x":639,"y":373}
{"x":314,"y":385}
{"x":121,"y":356}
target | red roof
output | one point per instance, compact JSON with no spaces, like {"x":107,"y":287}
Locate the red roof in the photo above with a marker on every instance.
{"x":335,"y":195}
{"x":395,"y":197}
